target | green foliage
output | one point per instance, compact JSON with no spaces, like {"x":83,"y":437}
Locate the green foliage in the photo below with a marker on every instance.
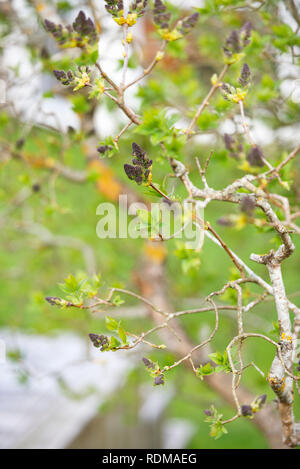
{"x":205,"y":370}
{"x":150,"y":222}
{"x":166,"y":98}
{"x":160,"y":130}
{"x":221,"y":361}
{"x":79,"y":287}
{"x":113,"y":325}
{"x":285,"y":37}
{"x":208,"y":120}
{"x":275,"y":332}
{"x":117,"y":301}
{"x":214,"y":418}
{"x":190,"y":259}
{"x":155,"y":371}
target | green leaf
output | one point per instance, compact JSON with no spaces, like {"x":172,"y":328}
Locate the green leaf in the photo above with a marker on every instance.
{"x":222,"y":361}
{"x":205,"y":370}
{"x":111,"y":323}
{"x":71,"y":284}
{"x":122,"y":335}
{"x":114,"y":343}
{"x":157,"y":126}
{"x":217,"y":430}
{"x":276,"y":329}
{"x":216,"y":357}
{"x":117,"y":301}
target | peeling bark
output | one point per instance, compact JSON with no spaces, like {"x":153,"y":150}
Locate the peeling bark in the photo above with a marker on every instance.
{"x":152,"y":284}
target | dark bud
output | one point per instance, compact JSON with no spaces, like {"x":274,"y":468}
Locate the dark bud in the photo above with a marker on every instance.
{"x":20,"y":143}
{"x":98,"y":340}
{"x":139,"y":6}
{"x":223,"y":221}
{"x":51,"y":27}
{"x":229,"y":142}
{"x":247,"y":204}
{"x":113,"y":6}
{"x":164,"y":25}
{"x":258,"y":403}
{"x":44,"y":53}
{"x":140,"y":157}
{"x":207,"y":412}
{"x":160,"y":379}
{"x":138,"y":180}
{"x":245,"y":32}
{"x":244,"y":78}
{"x":226,"y":91}
{"x":298,"y":368}
{"x":162,"y":19}
{"x":189,"y":22}
{"x":160,"y":15}
{"x":193,"y":19}
{"x":63,"y":77}
{"x":159,"y":7}
{"x":225,"y":88}
{"x":227,"y":52}
{"x":36,"y":187}
{"x":103,"y":149}
{"x":59,"y":74}
{"x":137,"y":151}
{"x":255,"y":157}
{"x":140,"y":172}
{"x":53,"y":300}
{"x":262,"y":399}
{"x":246,"y":410}
{"x":233,"y":42}
{"x":84,"y":27}
{"x":148,"y":363}
{"x":79,"y":22}
{"x":130,"y":171}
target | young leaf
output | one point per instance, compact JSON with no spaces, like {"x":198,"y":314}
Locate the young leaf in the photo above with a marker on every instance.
{"x":111,"y":323}
{"x":122,"y":335}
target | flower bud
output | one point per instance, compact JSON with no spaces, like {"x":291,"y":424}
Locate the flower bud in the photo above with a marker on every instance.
{"x":160,"y":379}
{"x":246,"y":411}
{"x":148,"y":363}
{"x":255,"y":156}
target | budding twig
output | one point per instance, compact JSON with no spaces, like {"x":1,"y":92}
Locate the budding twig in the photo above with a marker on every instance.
{"x":205,"y":102}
